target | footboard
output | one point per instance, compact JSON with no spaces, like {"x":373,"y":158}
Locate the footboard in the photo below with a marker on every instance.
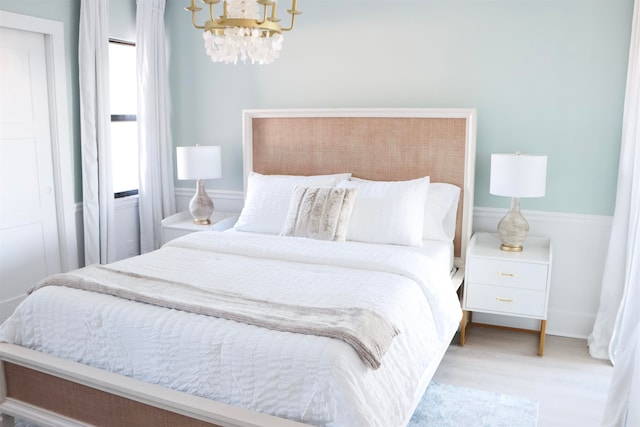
{"x":51,"y":391}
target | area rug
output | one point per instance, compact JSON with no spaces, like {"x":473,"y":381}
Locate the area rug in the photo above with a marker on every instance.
{"x":451,"y":406}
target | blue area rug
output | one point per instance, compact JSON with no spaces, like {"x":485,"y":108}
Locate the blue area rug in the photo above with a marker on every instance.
{"x":451,"y":406}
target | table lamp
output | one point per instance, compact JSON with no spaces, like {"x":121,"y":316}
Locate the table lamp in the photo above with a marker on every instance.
{"x":200,"y":162}
{"x":516,"y":175}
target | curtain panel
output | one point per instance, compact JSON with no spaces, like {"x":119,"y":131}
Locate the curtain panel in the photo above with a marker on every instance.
{"x":95,"y":121}
{"x":616,"y":332}
{"x":156,"y":191}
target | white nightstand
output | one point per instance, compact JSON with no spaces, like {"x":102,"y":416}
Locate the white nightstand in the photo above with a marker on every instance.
{"x":507,"y":283}
{"x":182,"y":223}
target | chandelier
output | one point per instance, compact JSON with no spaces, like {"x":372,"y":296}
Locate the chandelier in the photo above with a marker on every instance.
{"x":240,"y":32}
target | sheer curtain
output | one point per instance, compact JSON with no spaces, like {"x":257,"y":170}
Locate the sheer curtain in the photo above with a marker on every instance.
{"x":156,"y":192}
{"x":97,"y":188}
{"x":616,"y":333}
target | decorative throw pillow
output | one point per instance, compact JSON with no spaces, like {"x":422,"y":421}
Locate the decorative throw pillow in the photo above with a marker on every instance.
{"x":388,"y":211}
{"x":319,"y":213}
{"x":267,"y":199}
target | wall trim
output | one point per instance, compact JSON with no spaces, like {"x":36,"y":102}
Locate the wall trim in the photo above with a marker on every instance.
{"x":580,"y":243}
{"x":223,"y":200}
{"x":556,"y":217}
{"x":125,"y":202}
{"x":128,"y":231}
{"x":218,"y":194}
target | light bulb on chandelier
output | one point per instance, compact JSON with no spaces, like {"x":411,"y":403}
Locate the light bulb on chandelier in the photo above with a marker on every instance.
{"x":240,"y":33}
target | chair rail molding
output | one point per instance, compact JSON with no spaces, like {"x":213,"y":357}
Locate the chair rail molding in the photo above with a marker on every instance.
{"x":223,"y":200}
{"x":579,"y":244}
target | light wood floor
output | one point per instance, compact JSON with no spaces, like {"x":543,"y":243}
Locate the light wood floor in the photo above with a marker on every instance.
{"x":570,"y":386}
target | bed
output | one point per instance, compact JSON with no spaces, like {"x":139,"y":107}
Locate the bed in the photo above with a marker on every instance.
{"x":250,"y":327}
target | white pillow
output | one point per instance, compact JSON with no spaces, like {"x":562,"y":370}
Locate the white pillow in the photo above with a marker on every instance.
{"x":388,"y":211}
{"x":440,"y":212}
{"x":267,"y":199}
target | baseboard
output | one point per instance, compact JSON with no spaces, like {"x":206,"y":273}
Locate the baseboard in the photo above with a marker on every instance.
{"x":570,"y":324}
{"x":559,"y":323}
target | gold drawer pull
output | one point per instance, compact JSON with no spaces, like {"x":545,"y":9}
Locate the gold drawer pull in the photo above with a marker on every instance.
{"x":506,"y":274}
{"x":503,"y":300}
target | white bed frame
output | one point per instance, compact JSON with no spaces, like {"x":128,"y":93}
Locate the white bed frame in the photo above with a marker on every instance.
{"x":57,"y":379}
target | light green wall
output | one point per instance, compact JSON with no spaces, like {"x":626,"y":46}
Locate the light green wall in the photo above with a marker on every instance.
{"x":547,"y":77}
{"x":122,"y":19}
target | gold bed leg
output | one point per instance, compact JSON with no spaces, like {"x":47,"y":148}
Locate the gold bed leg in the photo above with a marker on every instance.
{"x":543,"y":331}
{"x":463,"y":327}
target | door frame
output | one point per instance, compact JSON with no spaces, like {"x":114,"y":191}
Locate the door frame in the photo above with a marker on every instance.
{"x":61,"y":142}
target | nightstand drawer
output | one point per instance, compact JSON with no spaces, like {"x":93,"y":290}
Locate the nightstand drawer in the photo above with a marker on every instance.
{"x":507,"y":273}
{"x":522,"y":302}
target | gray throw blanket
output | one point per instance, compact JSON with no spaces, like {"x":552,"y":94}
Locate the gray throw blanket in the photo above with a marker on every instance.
{"x":366,"y":331}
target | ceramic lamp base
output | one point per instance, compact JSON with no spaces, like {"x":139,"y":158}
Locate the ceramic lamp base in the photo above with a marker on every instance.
{"x":201,"y":205}
{"x":513,"y":228}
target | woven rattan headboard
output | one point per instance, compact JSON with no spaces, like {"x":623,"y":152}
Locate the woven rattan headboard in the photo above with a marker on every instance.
{"x":390,"y":145}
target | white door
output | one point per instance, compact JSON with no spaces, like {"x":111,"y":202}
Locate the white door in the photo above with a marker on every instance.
{"x":29,"y":244}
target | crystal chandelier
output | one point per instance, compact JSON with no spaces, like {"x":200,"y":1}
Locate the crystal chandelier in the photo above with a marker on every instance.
{"x":240,"y":32}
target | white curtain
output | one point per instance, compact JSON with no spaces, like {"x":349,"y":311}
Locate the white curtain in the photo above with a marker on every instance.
{"x":616,"y":332}
{"x":95,"y":121}
{"x":156,"y":192}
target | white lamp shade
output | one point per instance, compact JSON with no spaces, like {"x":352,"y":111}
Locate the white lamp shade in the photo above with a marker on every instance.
{"x":199,"y":162}
{"x":518,"y":175}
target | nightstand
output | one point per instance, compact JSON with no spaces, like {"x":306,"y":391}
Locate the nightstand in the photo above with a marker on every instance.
{"x":507,"y":283}
{"x":182,"y":223}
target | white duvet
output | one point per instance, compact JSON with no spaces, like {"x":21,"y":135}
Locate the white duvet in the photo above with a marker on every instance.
{"x":311,"y":379}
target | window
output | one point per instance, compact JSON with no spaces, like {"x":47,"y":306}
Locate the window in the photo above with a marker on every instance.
{"x":124,"y":129}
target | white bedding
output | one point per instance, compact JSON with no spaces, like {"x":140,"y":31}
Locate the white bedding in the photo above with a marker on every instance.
{"x":440,"y":252}
{"x":312,"y":379}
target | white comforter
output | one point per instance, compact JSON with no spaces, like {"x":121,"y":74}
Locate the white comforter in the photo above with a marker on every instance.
{"x":312,"y":379}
